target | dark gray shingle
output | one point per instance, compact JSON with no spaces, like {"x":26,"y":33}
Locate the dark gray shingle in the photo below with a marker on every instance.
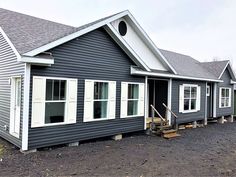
{"x":28,"y":33}
{"x":186,"y":65}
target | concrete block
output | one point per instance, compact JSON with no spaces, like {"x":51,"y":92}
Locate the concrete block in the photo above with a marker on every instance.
{"x":73,"y":144}
{"x":230,"y":119}
{"x":221,"y":120}
{"x":117,"y":137}
{"x":194,"y":124}
{"x":28,"y":151}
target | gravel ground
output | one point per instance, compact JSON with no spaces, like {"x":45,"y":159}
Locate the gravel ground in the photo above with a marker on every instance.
{"x":209,"y":151}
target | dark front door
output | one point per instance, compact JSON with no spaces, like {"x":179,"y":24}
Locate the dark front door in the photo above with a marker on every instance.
{"x":209,"y":100}
{"x":158,"y":94}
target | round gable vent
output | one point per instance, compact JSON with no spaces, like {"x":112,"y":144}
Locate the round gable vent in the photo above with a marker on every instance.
{"x":122,"y":27}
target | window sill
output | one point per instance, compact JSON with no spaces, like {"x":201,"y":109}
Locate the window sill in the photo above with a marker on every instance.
{"x":95,"y":120}
{"x":132,"y":116}
{"x":225,"y":107}
{"x":192,"y":111}
{"x":54,"y":124}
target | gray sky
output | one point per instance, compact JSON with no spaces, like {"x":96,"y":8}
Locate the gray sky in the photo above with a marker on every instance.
{"x":203,"y":29}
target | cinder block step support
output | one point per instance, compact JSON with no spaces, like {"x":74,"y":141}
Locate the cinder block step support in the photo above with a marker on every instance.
{"x":28,"y":151}
{"x":230,"y":118}
{"x":221,"y":120}
{"x":74,"y":144}
{"x":194,"y":124}
{"x":117,"y":137}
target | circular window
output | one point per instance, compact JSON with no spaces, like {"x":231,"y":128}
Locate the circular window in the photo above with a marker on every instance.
{"x":122,"y":27}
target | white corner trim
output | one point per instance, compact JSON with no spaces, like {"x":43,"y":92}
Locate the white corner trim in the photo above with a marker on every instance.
{"x":214,"y":99}
{"x":206,"y":106}
{"x":36,"y":60}
{"x":146,"y":103}
{"x":224,"y":70}
{"x":10,"y":43}
{"x":74,"y":35}
{"x":133,"y":71}
{"x":111,"y":30}
{"x":25,"y":122}
{"x":169,"y":99}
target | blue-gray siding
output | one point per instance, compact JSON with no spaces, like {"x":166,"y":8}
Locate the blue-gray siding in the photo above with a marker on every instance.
{"x":224,"y":111}
{"x":92,"y":56}
{"x":8,"y":67}
{"x":187,"y":117}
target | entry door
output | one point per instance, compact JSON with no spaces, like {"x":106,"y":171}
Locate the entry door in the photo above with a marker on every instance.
{"x":16,"y":106}
{"x":209,"y":101}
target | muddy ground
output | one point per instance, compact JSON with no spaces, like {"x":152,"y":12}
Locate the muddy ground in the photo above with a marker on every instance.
{"x":207,"y":151}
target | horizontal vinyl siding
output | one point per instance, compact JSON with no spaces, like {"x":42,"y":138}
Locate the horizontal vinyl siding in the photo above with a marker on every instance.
{"x":187,"y":117}
{"x":92,"y":56}
{"x":8,"y":67}
{"x":225,"y":111}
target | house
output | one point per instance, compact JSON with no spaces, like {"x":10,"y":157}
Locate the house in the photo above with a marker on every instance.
{"x":61,"y":84}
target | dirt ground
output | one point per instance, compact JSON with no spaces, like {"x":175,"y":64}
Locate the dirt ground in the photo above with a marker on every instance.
{"x":207,"y":151}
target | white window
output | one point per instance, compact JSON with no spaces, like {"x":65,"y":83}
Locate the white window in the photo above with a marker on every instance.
{"x":225,"y":98}
{"x":54,"y":101}
{"x":132,"y":99}
{"x":99,"y":100}
{"x":190,"y":98}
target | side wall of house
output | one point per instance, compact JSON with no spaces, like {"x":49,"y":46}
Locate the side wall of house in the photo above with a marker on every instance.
{"x":225,"y":111}
{"x":188,"y":117}
{"x":9,"y":67}
{"x":92,"y":56}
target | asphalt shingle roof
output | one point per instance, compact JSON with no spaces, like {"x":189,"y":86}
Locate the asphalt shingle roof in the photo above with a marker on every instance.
{"x":215,"y":67}
{"x":186,"y":65}
{"x":27,"y":32}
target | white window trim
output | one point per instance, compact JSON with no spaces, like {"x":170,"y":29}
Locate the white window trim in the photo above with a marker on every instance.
{"x":108,"y":102}
{"x":131,"y":116}
{"x":220,"y":96}
{"x":192,"y":110}
{"x":133,"y":83}
{"x":66,"y":101}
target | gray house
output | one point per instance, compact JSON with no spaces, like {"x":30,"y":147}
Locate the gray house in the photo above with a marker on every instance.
{"x":61,"y":84}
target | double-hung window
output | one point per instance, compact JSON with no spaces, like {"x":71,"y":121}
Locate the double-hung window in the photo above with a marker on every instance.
{"x":99,"y":100}
{"x":54,"y":101}
{"x":225,"y":97}
{"x":189,"y":100}
{"x":132,"y":99}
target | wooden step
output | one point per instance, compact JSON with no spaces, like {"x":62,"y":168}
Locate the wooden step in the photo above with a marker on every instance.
{"x":169,"y":131}
{"x":171,"y":135}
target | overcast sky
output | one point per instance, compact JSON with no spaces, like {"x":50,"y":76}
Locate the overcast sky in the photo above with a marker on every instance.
{"x":203,"y":29}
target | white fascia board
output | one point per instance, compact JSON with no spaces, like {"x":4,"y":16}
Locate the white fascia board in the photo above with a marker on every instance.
{"x":37,"y":60}
{"x":123,"y":44}
{"x":10,"y":44}
{"x":150,"y":43}
{"x":223,"y":70}
{"x":232,"y":82}
{"x":74,"y":35}
{"x":146,"y":73}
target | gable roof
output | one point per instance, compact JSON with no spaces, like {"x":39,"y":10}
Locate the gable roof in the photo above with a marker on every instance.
{"x":216,"y":67}
{"x":27,"y":32}
{"x":186,"y":65}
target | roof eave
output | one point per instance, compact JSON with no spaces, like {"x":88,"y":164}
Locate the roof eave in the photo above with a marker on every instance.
{"x":133,"y":71}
